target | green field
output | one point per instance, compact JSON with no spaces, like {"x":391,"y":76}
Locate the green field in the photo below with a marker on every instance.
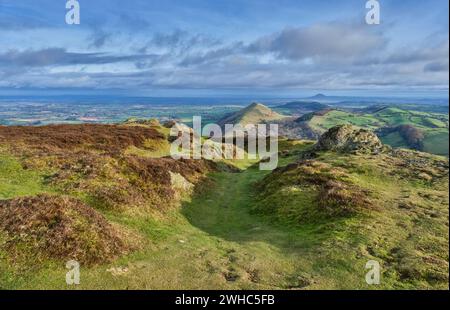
{"x":433,"y":125}
{"x":437,"y":142}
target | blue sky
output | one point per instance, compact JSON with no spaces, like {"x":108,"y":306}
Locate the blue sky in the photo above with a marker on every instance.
{"x":232,"y":46}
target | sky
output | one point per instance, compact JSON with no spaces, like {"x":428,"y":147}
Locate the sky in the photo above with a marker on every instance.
{"x":148,"y":47}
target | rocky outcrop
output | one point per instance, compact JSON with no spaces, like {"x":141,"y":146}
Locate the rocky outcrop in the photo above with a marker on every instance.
{"x":349,"y":139}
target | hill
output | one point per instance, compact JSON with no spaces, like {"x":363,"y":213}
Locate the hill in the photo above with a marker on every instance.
{"x":388,"y":206}
{"x":301,"y":107}
{"x":109,"y":197}
{"x":407,"y":136}
{"x":319,"y":97}
{"x":256,"y":113}
{"x":388,"y":121}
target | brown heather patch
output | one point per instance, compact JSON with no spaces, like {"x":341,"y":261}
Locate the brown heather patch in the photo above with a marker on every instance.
{"x":312,"y":172}
{"x":111,"y":139}
{"x":340,"y":199}
{"x":150,"y":179}
{"x":62,"y":228}
{"x":128,"y":181}
{"x":157,"y":169}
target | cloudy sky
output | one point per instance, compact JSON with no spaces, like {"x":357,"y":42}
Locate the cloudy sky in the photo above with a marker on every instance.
{"x":164,"y":47}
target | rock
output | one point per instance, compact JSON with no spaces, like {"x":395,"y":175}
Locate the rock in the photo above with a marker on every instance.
{"x":139,"y":121}
{"x":349,"y":139}
{"x":217,"y":150}
{"x":424,"y":176}
{"x":180,"y":185}
{"x":182,"y":130}
{"x":169,"y":124}
{"x":117,"y":271}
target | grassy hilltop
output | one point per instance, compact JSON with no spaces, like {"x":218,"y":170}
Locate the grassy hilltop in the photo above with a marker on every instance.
{"x":108,"y":196}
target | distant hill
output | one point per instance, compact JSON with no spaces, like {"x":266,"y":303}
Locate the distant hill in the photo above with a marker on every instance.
{"x":366,"y":101}
{"x":301,"y":107}
{"x":396,"y":127}
{"x":309,"y":116}
{"x":255,"y":113}
{"x":318,"y":96}
{"x":371,"y":109}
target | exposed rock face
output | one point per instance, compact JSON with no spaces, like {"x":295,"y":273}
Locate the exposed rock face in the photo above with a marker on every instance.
{"x":349,"y":139}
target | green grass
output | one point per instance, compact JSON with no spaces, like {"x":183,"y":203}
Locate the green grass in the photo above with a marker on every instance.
{"x":380,"y":232}
{"x":437,"y":142}
{"x":16,"y":181}
{"x":334,"y":118}
{"x":216,"y":241}
{"x":434,"y":125}
{"x":213,"y":241}
{"x":394,"y":139}
{"x":433,"y":122}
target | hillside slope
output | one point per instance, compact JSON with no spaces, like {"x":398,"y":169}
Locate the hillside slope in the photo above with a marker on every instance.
{"x":110,"y":198}
{"x":389,"y":206}
{"x":390,"y":122}
{"x":301,"y":107}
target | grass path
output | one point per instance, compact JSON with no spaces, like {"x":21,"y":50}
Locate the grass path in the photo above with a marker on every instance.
{"x":218,"y":243}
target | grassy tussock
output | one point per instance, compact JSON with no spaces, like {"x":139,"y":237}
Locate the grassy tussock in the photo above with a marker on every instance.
{"x":340,"y":199}
{"x":317,"y":189}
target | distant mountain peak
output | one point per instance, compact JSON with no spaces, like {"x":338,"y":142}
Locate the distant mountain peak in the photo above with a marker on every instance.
{"x":256,"y":104}
{"x":255,"y":113}
{"x":319,"y":96}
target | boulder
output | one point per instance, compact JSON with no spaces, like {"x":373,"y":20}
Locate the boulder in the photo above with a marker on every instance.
{"x":349,"y":139}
